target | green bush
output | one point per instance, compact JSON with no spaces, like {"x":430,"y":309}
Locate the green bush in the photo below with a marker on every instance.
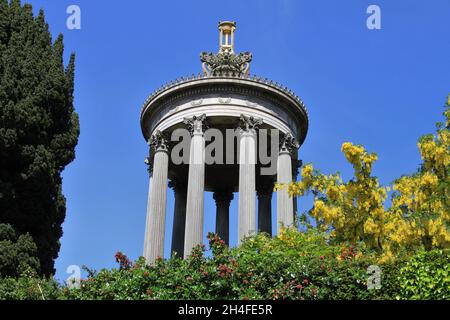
{"x":18,"y":253}
{"x":28,"y":286}
{"x":426,"y":276}
{"x":293,"y":265}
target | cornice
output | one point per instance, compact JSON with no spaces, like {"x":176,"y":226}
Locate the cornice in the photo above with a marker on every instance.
{"x":248,"y":81}
{"x":196,"y":87}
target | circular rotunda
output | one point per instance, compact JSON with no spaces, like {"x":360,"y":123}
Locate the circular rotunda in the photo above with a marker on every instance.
{"x":221,"y":131}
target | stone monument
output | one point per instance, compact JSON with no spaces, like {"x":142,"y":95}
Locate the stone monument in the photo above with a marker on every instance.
{"x":224,"y":98}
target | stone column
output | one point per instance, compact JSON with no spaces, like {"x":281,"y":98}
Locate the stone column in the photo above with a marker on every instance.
{"x":296,"y":165}
{"x":196,"y":184}
{"x":285,"y":204}
{"x":264,"y":192}
{"x":223,"y":199}
{"x":179,"y":216}
{"x":149,"y":162}
{"x":247,"y":191}
{"x":156,"y":208}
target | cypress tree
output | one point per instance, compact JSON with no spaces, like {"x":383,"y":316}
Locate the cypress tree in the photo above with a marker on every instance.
{"x":39,"y":128}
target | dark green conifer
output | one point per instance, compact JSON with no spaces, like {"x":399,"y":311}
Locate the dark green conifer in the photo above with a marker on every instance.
{"x":39,"y":128}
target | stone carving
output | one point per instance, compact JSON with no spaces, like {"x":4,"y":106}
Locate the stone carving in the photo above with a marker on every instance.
{"x":223,"y":196}
{"x":196,"y":124}
{"x":265,"y":188}
{"x":225,"y":63}
{"x":224,"y":100}
{"x":288,"y":143}
{"x":249,"y":123}
{"x":225,"y":94}
{"x":251,"y":104}
{"x":159,"y":142}
{"x":197,"y":103}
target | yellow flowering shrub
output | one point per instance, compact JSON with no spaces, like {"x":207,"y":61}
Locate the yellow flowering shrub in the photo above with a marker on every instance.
{"x":353,"y":211}
{"x":420,"y":212}
{"x":419,"y":216}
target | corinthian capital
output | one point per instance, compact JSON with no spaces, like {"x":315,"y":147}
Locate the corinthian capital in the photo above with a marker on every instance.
{"x":196,"y":124}
{"x":159,"y":142}
{"x":288,"y":144}
{"x":265,"y":188}
{"x":250,"y":123}
{"x":223,"y":196}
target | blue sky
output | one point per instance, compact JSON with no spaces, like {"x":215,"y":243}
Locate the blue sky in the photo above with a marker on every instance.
{"x":380,"y":88}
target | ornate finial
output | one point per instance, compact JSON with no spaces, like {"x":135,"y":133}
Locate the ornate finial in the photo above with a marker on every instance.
{"x":226,"y":37}
{"x":226,"y":61}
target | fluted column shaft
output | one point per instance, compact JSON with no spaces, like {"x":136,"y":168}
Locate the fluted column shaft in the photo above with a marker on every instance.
{"x":285,"y":203}
{"x":179,"y":217}
{"x":196,"y":185}
{"x":247,"y":177}
{"x":223,"y":199}
{"x":296,"y":164}
{"x":156,"y":208}
{"x":147,"y":240}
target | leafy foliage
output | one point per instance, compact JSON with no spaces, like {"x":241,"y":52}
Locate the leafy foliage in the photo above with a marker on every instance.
{"x":421,"y":204}
{"x":293,"y":265}
{"x":351,"y":211}
{"x":38,"y":128}
{"x":17,"y":253}
{"x":353,"y":229}
{"x":427,"y":276}
{"x":29,"y":287}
